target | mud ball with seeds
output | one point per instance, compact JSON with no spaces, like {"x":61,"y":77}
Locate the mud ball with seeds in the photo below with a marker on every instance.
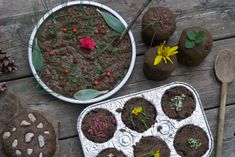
{"x":162,"y":70}
{"x":178,"y":103}
{"x":151,"y":147}
{"x":139,"y":114}
{"x":158,"y":24}
{"x":111,"y":152}
{"x":99,"y":125}
{"x":195,"y":44}
{"x":191,"y":141}
{"x":29,"y":134}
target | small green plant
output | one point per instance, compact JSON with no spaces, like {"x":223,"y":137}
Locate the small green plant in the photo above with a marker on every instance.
{"x":110,"y":155}
{"x":194,"y":143}
{"x":152,"y":153}
{"x":176,"y":102}
{"x":194,"y":38}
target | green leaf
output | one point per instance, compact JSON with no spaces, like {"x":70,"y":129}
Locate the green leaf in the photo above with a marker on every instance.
{"x":189,"y":44}
{"x":112,"y":21}
{"x":37,"y":57}
{"x":200,"y":37}
{"x":191,"y":35}
{"x":88,"y":94}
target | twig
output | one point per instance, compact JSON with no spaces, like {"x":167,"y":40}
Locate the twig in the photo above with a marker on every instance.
{"x":133,"y":21}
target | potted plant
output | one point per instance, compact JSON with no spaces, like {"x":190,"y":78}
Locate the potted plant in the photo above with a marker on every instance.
{"x":72,"y":52}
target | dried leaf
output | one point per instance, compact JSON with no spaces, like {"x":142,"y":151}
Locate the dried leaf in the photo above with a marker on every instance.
{"x":37,"y":57}
{"x":88,"y":94}
{"x":112,"y":21}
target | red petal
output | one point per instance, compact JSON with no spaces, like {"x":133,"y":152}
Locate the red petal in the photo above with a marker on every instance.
{"x":87,"y":42}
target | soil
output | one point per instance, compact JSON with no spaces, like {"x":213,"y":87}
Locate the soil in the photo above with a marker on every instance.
{"x":160,"y":71}
{"x":188,"y":104}
{"x":142,"y":121}
{"x":196,"y":55}
{"x":72,"y":68}
{"x":182,"y":145}
{"x":99,"y":125}
{"x":158,"y":24}
{"x":150,"y":145}
{"x":107,"y":152}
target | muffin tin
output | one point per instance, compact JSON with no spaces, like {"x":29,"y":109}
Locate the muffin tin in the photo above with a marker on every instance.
{"x":124,"y":138}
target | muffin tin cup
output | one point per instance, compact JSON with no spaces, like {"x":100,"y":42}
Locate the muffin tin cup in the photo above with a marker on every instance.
{"x":124,"y":138}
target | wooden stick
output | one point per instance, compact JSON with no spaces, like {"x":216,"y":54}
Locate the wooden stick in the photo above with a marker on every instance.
{"x":220,"y":132}
{"x":133,"y":21}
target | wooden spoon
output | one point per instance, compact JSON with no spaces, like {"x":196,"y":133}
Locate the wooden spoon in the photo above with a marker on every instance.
{"x":225,"y":71}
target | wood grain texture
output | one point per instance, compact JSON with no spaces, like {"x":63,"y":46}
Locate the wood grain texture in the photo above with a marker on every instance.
{"x":228,"y":151}
{"x":220,"y":130}
{"x":216,"y":15}
{"x":207,"y":87}
{"x":220,"y":21}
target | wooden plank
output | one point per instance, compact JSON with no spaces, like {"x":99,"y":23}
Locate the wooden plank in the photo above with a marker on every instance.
{"x":207,"y":64}
{"x":11,"y":8}
{"x":72,"y":146}
{"x":10,"y":41}
{"x":207,"y":87}
{"x":220,"y":18}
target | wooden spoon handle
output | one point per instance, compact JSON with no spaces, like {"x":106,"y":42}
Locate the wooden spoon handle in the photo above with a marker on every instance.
{"x":220,"y":130}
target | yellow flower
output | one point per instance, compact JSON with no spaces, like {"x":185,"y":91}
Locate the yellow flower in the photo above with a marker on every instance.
{"x":164,"y":52}
{"x":157,"y":153}
{"x":137,"y":110}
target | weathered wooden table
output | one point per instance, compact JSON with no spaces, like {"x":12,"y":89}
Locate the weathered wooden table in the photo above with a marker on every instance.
{"x":218,"y":16}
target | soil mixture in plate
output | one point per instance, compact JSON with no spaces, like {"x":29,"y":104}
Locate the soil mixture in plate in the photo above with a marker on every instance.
{"x":191,"y":141}
{"x":111,"y":152}
{"x":139,"y":114}
{"x":151,"y":147}
{"x":69,"y":67}
{"x":99,"y":125}
{"x":178,"y":103}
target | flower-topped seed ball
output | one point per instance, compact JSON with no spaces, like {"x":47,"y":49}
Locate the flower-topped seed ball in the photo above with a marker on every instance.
{"x":137,"y":110}
{"x":164,"y":52}
{"x":87,"y":43}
